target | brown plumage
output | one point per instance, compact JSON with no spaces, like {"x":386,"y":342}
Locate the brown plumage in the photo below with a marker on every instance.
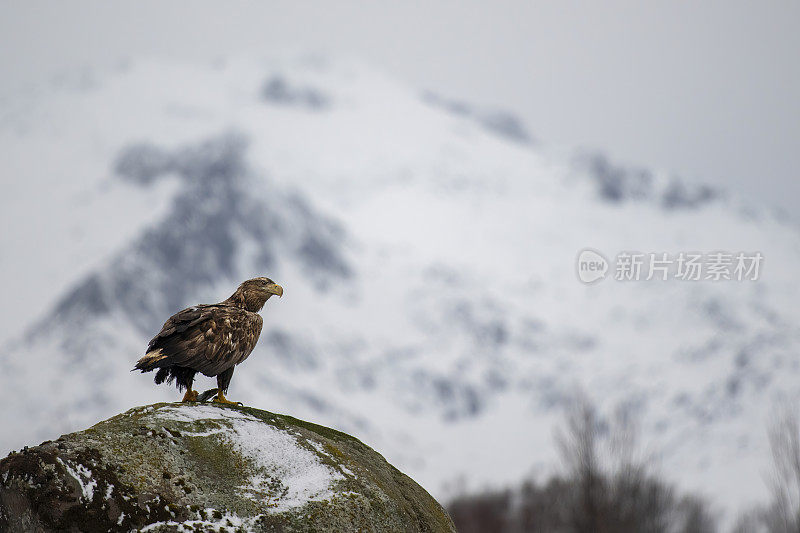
{"x":210,"y":339}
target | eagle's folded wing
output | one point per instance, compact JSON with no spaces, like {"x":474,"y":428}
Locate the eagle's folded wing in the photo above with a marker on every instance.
{"x":208,"y":339}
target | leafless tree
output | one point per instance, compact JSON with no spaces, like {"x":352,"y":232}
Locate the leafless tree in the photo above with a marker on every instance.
{"x":608,"y":486}
{"x":578,"y":445}
{"x":783,"y":515}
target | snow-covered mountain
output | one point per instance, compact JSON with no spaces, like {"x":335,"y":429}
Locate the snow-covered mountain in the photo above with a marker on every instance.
{"x":427,"y":249}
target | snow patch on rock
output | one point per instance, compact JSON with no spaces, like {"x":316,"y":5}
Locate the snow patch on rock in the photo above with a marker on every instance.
{"x":277,"y":456}
{"x":84,"y":478}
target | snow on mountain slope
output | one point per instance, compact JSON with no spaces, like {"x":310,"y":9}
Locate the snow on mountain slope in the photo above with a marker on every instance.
{"x":427,"y":251}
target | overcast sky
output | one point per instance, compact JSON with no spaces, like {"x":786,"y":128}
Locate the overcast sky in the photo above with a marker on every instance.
{"x":710,"y":90}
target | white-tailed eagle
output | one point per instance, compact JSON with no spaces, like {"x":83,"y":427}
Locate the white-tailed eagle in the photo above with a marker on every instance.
{"x":210,"y":339}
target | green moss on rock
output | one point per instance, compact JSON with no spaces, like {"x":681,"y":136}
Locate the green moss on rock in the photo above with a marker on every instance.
{"x":171,"y":467}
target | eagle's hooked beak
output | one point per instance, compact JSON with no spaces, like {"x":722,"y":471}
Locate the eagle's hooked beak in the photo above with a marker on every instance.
{"x":275,"y":289}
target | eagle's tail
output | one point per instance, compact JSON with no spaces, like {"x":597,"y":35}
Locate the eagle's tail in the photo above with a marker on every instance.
{"x":150,"y":360}
{"x":167,"y":370}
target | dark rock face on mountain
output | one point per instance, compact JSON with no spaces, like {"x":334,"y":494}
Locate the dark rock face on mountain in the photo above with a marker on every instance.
{"x":220,"y":209}
{"x":169,"y":467}
{"x":618,"y":184}
{"x":278,"y":90}
{"x":497,"y":121}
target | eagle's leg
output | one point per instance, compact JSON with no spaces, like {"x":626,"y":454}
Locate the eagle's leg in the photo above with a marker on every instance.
{"x":223,"y":380}
{"x":190,"y":396}
{"x":222,"y":399}
{"x":184,"y":377}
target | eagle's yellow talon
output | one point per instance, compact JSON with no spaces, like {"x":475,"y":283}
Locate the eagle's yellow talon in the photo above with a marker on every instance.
{"x":190,"y":396}
{"x":222,"y":399}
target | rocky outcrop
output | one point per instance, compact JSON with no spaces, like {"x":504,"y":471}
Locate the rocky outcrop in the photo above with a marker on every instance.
{"x":203,"y":467}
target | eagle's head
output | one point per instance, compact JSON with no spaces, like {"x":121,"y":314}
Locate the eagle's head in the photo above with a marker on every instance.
{"x":253,"y":293}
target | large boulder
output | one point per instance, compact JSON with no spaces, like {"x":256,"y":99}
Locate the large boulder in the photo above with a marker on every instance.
{"x":200,"y":467}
